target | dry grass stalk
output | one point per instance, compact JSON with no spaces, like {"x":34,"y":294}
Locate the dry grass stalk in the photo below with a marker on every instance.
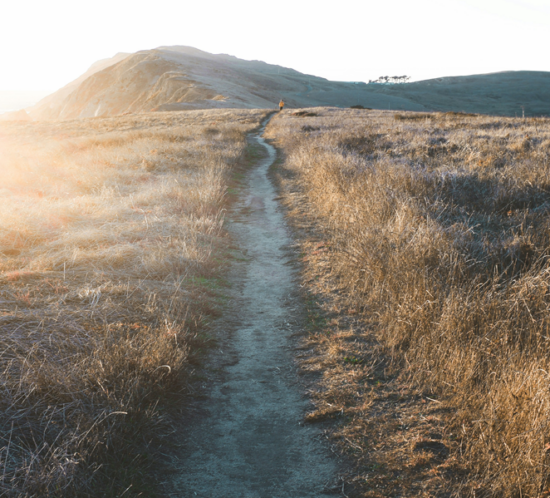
{"x":435,"y":231}
{"x":108,"y":229}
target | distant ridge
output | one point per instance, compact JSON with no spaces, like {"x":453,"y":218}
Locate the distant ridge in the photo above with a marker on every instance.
{"x":179,"y":78}
{"x":504,"y":93}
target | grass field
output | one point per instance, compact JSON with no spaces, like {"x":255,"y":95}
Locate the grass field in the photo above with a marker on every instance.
{"x":426,"y":240}
{"x":111,"y":234}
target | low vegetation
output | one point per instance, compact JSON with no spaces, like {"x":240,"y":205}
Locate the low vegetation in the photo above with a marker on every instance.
{"x":426,"y":241}
{"x":110,"y":232}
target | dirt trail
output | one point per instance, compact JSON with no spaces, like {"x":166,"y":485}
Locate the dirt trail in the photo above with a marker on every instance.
{"x":248,"y":439}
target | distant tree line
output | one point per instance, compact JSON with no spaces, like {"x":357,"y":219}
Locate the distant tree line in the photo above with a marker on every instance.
{"x":391,"y":79}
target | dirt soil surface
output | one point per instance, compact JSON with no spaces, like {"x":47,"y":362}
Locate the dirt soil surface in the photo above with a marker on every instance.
{"x":247,"y":438}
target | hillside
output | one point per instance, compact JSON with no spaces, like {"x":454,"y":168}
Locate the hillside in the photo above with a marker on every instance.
{"x":48,"y":107}
{"x":180,"y":78}
{"x":498,"y":93}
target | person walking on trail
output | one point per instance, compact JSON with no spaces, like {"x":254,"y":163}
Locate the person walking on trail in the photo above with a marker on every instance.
{"x":281,"y":105}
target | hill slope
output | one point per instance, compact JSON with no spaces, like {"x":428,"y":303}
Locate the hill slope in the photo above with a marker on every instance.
{"x":497,"y":93}
{"x":178,"y":78}
{"x":47,"y":108}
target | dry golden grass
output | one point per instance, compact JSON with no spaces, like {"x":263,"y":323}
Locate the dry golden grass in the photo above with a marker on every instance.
{"x":108,"y":237}
{"x":428,"y":252}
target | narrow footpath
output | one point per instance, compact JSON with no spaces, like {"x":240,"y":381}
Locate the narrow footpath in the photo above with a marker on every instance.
{"x":248,"y":439}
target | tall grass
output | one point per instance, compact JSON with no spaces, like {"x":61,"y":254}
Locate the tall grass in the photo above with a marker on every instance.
{"x":438,"y":231}
{"x":108,"y":227}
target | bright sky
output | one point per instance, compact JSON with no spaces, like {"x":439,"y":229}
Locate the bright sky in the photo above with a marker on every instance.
{"x":47,"y":43}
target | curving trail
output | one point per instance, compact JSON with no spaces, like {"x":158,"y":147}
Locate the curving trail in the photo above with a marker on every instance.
{"x":248,"y":440}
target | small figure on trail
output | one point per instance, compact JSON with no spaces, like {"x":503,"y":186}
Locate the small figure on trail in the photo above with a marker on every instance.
{"x":281,"y":105}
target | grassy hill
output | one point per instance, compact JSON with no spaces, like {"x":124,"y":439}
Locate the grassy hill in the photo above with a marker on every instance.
{"x":498,"y":93}
{"x":181,"y":78}
{"x":47,"y":108}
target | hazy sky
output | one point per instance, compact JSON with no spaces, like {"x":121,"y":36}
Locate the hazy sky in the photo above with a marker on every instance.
{"x":47,"y":43}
